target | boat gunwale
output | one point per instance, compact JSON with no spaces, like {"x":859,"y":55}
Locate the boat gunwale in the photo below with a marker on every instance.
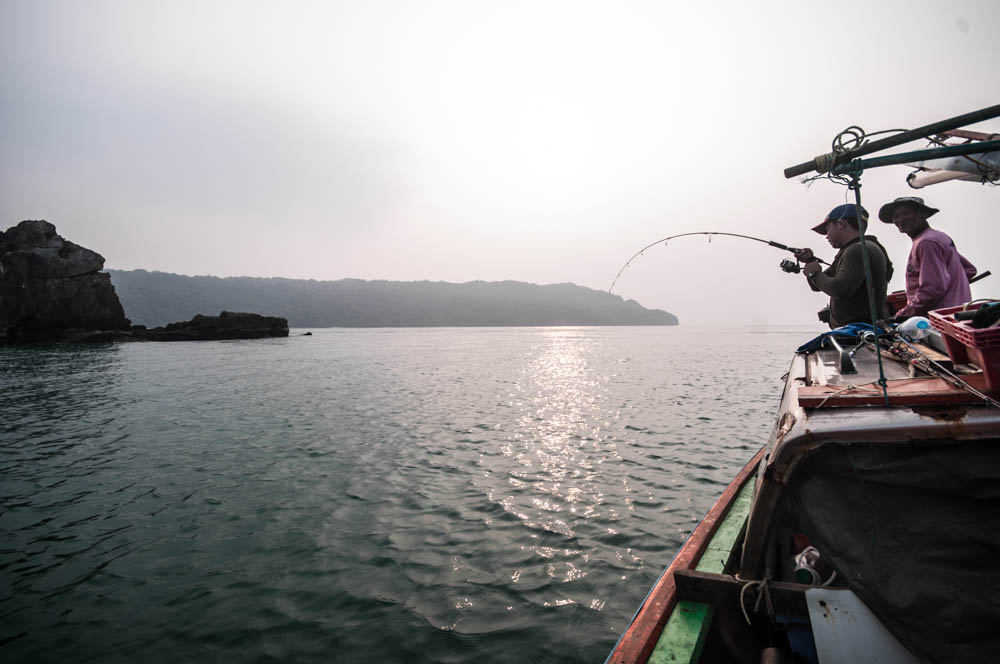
{"x":639,"y":639}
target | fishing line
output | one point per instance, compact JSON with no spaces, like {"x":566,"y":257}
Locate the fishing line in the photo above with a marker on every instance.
{"x":772,"y":243}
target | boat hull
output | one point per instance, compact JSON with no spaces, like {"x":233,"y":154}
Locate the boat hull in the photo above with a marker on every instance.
{"x":640,"y":638}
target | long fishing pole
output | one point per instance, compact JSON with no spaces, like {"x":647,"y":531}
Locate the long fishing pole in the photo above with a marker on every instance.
{"x":772,"y":243}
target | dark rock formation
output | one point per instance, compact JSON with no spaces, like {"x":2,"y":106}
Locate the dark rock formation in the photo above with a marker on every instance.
{"x":52,"y":289}
{"x":227,"y":325}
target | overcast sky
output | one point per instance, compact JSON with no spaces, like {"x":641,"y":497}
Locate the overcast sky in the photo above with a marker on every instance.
{"x":457,"y":140}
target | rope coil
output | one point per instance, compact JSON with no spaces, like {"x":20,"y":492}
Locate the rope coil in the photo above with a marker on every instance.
{"x":824,"y":162}
{"x":843,"y":144}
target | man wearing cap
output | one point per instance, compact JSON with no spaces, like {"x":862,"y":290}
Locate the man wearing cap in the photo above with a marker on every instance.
{"x":844,"y":281}
{"x":937,"y":275}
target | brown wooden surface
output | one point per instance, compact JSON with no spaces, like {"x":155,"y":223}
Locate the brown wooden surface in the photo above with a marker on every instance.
{"x":911,"y":392}
{"x":724,"y":590}
{"x":640,"y":637}
{"x":735,"y":635}
{"x":928,"y":352}
{"x":965,"y":133}
{"x":932,"y":353}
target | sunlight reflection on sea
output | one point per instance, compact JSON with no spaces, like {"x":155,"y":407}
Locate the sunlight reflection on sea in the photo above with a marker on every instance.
{"x":485,"y":494}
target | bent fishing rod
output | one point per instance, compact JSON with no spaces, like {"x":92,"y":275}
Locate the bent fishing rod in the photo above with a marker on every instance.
{"x":786,"y":265}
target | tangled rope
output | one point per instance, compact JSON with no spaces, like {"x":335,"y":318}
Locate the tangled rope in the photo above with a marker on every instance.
{"x":854,"y":137}
{"x":844,"y":143}
{"x":763,"y":592}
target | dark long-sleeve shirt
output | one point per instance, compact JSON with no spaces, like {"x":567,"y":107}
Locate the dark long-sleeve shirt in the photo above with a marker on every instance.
{"x":844,"y":282}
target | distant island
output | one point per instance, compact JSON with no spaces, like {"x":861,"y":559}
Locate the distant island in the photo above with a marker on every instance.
{"x":156,"y":298}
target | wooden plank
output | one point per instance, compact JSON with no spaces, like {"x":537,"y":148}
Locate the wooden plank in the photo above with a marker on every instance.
{"x":914,"y":363}
{"x":724,"y":590}
{"x":640,"y":637}
{"x":907,"y":392}
{"x":965,"y":133}
{"x":934,"y":354}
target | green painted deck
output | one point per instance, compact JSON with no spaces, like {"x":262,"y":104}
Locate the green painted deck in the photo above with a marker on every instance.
{"x":684,"y":634}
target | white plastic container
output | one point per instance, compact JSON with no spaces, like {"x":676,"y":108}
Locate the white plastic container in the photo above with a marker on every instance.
{"x":914,"y":328}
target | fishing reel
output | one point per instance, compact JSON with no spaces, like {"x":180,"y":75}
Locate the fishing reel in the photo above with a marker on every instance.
{"x":790,"y":266}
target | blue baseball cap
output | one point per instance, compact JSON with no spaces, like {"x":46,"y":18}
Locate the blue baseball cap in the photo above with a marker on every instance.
{"x":846,"y":211}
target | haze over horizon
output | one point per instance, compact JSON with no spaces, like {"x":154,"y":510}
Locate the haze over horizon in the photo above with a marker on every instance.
{"x":543,"y":142}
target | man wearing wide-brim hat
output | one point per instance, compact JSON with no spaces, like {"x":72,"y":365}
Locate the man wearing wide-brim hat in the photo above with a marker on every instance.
{"x":937,"y":276}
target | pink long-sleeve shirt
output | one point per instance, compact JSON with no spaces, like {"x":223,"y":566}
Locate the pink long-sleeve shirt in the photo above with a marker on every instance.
{"x":937,"y":276}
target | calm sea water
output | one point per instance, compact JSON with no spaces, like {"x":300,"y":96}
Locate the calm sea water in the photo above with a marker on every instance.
{"x":399,"y":495}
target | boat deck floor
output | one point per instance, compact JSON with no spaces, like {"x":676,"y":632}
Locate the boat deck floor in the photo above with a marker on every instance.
{"x":828,"y":385}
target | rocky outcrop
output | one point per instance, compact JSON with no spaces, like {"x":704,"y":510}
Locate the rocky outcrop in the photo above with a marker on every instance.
{"x":52,"y":289}
{"x":227,"y":325}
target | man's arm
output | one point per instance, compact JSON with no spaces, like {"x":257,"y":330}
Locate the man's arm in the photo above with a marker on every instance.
{"x":811,"y":278}
{"x":812,"y":266}
{"x":848,"y":278}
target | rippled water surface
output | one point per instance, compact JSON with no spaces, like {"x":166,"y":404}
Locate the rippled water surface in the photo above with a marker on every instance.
{"x":403,"y":495}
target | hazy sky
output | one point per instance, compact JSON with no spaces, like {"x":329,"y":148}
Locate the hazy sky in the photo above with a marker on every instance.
{"x":458,"y":140}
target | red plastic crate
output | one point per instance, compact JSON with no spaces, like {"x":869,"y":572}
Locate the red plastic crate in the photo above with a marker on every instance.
{"x":895,"y":301}
{"x":968,"y":344}
{"x":944,"y":320}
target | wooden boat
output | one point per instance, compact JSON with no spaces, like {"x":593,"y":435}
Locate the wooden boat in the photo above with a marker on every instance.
{"x":902,"y":502}
{"x":867,"y":529}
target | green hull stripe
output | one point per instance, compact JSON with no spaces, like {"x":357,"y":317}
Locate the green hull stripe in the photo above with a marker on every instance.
{"x":684,"y":634}
{"x":721,"y":545}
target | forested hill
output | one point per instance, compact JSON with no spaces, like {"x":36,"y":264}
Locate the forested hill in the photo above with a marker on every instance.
{"x":157,"y":298}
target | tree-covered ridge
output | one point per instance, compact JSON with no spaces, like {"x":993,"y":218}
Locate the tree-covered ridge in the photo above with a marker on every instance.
{"x":158,"y":298}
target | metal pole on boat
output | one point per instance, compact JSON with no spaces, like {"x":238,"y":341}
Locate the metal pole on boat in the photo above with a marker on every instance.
{"x":892,"y":141}
{"x":862,"y":229}
{"x":918,"y":155}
